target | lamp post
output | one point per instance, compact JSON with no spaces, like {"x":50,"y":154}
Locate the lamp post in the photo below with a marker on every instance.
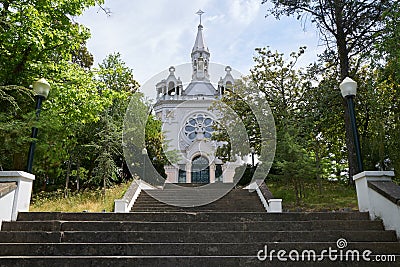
{"x":41,"y":89}
{"x":144,"y":153}
{"x":348,"y":88}
{"x":252,"y":156}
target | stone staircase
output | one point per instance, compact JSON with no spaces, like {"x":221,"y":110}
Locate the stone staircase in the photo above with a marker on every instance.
{"x":228,"y":232}
{"x":237,"y":200}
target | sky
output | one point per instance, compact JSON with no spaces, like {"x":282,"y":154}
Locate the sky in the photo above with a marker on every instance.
{"x":152,"y":35}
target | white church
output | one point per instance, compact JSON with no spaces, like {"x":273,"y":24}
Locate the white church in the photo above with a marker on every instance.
{"x":187,"y":121}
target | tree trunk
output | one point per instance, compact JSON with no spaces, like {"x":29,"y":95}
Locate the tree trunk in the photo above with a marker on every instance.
{"x":296,"y":190}
{"x":104,"y":187}
{"x":78,"y":166}
{"x":343,"y":54}
{"x":67,"y":177}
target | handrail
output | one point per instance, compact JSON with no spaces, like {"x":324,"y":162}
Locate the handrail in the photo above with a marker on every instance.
{"x":270,"y":203}
{"x":126,"y":203}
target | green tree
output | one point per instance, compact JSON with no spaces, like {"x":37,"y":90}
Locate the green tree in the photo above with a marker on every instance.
{"x":349,"y":30}
{"x":279,"y":82}
{"x":37,"y":39}
{"x":34,"y":34}
{"x":387,"y":64}
{"x":73,"y":102}
{"x":115,"y":84}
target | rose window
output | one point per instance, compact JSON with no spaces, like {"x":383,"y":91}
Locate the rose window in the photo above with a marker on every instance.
{"x":199,"y":126}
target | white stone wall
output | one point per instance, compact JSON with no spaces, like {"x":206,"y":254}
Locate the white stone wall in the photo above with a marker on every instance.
{"x":386,"y":210}
{"x":20,"y":199}
{"x":377,"y":205}
{"x":6,"y":206}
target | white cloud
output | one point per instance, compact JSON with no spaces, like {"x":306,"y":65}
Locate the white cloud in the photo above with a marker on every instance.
{"x":244,"y":11}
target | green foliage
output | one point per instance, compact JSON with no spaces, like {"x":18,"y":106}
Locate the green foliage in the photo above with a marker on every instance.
{"x":327,"y":196}
{"x":35,"y":34}
{"x":349,"y":30}
{"x":238,"y":101}
{"x":284,"y":87}
{"x":37,"y":39}
{"x":277,"y":81}
{"x":80,"y":126}
{"x":116,"y":76}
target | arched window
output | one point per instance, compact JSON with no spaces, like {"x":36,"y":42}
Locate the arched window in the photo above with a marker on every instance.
{"x":171,"y":88}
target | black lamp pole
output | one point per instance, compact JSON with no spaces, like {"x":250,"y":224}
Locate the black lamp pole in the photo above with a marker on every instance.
{"x":41,"y":89}
{"x":350,"y":104}
{"x":348,"y":89}
{"x":39,"y":100}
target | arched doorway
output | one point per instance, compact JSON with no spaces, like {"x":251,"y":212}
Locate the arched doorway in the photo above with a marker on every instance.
{"x":200,"y":170}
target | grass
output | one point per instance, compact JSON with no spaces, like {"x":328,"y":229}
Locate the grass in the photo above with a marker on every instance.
{"x":89,"y":200}
{"x":335,"y":196}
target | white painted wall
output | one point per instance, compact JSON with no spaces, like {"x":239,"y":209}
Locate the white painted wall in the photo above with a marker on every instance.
{"x":386,"y":210}
{"x":6,"y":205}
{"x":20,"y":199}
{"x":126,"y":203}
{"x":377,"y":205}
{"x":271,"y":205}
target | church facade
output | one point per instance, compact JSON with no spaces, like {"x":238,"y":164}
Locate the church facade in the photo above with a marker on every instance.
{"x":188,"y":122}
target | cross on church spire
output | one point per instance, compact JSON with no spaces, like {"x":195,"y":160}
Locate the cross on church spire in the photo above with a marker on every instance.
{"x":200,"y":12}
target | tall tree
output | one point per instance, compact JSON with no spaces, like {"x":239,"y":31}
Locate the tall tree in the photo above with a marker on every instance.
{"x":348,"y":28}
{"x":115,"y":83}
{"x":37,"y":39}
{"x":34,"y":34}
{"x":389,"y":82}
{"x":278,"y":81}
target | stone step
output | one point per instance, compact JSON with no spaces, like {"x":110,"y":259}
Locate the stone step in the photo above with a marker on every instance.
{"x":196,"y":209}
{"x":171,"y":226}
{"x":241,"y":193}
{"x":203,"y":190}
{"x":198,"y":194}
{"x":227,"y":199}
{"x":173,"y":261}
{"x":192,"y":226}
{"x":214,"y":204}
{"x":221,"y":204}
{"x":214,"y":185}
{"x":253,"y":206}
{"x":202,"y":198}
{"x":187,"y":210}
{"x":195,"y":237}
{"x":192,"y":216}
{"x":183,"y":249}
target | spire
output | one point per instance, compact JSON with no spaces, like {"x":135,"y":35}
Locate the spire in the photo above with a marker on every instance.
{"x":200,"y":54}
{"x":199,"y":43}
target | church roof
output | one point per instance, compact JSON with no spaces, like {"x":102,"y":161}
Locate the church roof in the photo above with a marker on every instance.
{"x":200,"y":88}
